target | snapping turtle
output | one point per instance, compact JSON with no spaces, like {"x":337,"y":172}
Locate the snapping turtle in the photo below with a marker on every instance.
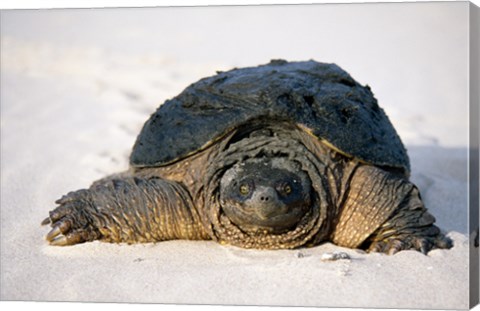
{"x":282,"y":155}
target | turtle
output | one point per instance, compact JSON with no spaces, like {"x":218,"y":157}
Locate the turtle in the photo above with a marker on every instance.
{"x":282,"y":155}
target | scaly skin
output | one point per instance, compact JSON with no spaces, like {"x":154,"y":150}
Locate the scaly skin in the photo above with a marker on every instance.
{"x":383,"y":212}
{"x":127,"y":209}
{"x":353,"y":204}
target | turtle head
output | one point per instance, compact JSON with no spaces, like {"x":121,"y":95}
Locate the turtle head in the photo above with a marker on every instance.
{"x":267,"y":194}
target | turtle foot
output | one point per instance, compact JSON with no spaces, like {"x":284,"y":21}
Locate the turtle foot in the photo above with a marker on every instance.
{"x":422,"y":244}
{"x":70,"y":221}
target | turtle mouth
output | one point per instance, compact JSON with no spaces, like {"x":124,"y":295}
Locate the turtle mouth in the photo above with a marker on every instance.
{"x":263,"y":218}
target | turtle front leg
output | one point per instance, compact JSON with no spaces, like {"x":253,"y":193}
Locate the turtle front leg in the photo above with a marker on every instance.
{"x":383,"y":212}
{"x":125,"y":209}
{"x":410,"y":227}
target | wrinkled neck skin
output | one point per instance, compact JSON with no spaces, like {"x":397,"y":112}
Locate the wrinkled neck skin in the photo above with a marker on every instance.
{"x":305,"y":222}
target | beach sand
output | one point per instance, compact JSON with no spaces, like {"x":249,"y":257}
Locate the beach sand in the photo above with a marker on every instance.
{"x":70,"y":114}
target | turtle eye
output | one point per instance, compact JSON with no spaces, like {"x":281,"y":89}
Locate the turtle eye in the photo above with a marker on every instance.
{"x":285,"y":188}
{"x":244,"y":189}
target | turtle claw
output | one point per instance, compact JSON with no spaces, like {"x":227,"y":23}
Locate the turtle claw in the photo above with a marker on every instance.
{"x":53,"y":234}
{"x":418,"y":243}
{"x":76,"y":237}
{"x":424,"y":246}
{"x":70,"y":221}
{"x":390,"y":247}
{"x":395,"y":246}
{"x":59,"y":241}
{"x":444,"y":243}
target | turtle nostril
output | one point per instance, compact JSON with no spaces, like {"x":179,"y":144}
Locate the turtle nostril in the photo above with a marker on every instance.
{"x":264,"y":195}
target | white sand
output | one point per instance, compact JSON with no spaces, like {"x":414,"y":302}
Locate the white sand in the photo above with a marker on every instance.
{"x":70,"y":114}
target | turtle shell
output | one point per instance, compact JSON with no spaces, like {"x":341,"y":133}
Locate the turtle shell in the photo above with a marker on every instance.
{"x":320,"y":97}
